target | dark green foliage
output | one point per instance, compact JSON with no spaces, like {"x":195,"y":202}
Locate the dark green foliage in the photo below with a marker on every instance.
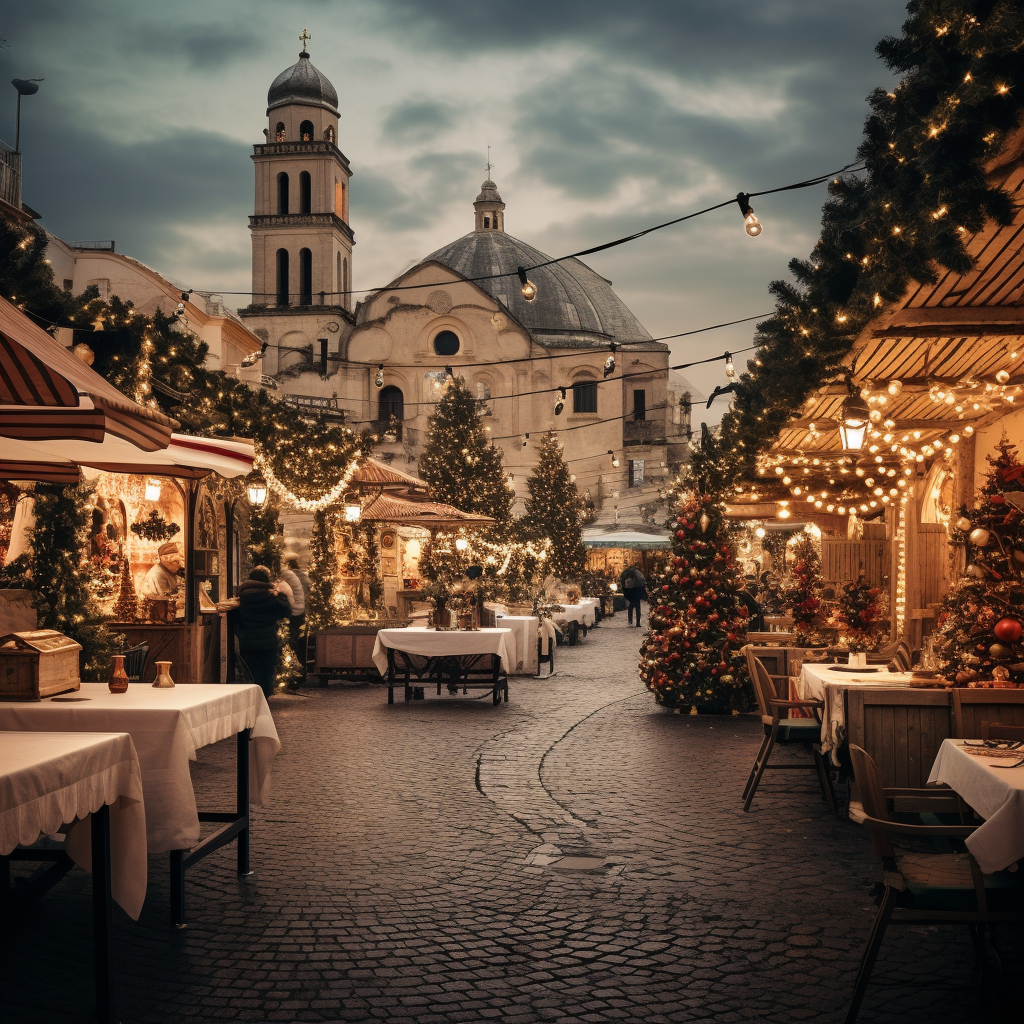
{"x":266,"y":541}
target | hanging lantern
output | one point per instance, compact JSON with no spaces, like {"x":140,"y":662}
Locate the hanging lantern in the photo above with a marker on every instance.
{"x":353,"y":510}
{"x":256,"y":487}
{"x":853,"y":422}
{"x":153,"y":489}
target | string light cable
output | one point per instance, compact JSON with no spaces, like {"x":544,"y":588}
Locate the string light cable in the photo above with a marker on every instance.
{"x":742,"y":199}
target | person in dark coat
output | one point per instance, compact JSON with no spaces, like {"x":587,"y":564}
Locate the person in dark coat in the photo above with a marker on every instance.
{"x":634,"y":587}
{"x":260,"y":606}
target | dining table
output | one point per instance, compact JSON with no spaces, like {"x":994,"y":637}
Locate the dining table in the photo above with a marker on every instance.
{"x":830,"y":684}
{"x":524,"y":637}
{"x":91,"y":782}
{"x":466,"y":659}
{"x":168,"y":726}
{"x":992,"y":783}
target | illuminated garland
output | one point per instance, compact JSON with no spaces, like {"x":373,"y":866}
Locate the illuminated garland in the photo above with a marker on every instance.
{"x":318,"y":504}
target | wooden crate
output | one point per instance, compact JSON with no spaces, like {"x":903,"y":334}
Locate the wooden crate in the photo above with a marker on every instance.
{"x":347,"y":650}
{"x":902,"y":729}
{"x":36,"y":664}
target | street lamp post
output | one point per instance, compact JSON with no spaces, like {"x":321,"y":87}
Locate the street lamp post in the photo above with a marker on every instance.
{"x":24,"y":87}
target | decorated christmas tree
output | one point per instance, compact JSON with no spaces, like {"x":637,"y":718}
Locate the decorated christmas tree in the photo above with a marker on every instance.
{"x":979,"y":633}
{"x":127,"y":605}
{"x":459,"y":462}
{"x":803,"y":592}
{"x":862,"y":614}
{"x":691,"y":659}
{"x":555,"y":510}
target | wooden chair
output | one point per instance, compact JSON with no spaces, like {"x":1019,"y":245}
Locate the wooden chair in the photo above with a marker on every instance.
{"x":926,"y":887}
{"x":998,"y":731}
{"x":902,"y":657}
{"x":974,"y":710}
{"x":777,"y":728}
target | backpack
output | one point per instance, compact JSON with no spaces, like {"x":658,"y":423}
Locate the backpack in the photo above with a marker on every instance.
{"x":630,"y":581}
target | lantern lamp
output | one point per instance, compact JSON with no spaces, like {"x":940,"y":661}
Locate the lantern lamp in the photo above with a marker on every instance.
{"x":256,"y":487}
{"x":353,"y":510}
{"x":853,"y":422}
{"x":153,"y":489}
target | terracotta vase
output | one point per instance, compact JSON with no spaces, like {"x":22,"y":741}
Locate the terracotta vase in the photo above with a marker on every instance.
{"x":163,"y":679}
{"x":118,"y":677}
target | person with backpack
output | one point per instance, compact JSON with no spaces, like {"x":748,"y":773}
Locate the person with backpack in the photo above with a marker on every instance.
{"x":260,"y":605}
{"x":634,"y":588}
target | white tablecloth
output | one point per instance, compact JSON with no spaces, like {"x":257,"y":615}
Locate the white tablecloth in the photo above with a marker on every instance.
{"x":167,"y":728}
{"x":49,"y":779}
{"x":829,"y":684}
{"x":583,"y":614}
{"x":997,"y":794}
{"x":437,"y":643}
{"x":593,"y":603}
{"x":524,"y":636}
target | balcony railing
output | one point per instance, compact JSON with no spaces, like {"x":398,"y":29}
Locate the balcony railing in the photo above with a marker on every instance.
{"x":644,"y":432}
{"x":318,"y":405}
{"x":389,"y":431}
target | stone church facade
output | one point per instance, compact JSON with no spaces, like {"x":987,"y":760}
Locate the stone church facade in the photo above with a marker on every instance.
{"x":381,"y":362}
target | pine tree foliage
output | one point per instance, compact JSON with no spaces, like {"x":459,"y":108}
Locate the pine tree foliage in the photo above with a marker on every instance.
{"x":60,"y":576}
{"x":691,"y":658}
{"x":910,"y":217}
{"x":266,"y":540}
{"x":458,"y":461}
{"x":555,"y":510}
{"x":323,"y":571}
{"x":979,"y":638}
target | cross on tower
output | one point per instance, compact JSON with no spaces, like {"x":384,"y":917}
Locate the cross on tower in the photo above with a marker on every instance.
{"x":489,"y":164}
{"x":304,"y":38}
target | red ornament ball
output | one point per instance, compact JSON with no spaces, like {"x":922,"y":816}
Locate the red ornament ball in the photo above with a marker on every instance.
{"x":1008,"y":630}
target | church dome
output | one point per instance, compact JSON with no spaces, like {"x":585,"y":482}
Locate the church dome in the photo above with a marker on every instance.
{"x":302,"y":83}
{"x":574,"y":305}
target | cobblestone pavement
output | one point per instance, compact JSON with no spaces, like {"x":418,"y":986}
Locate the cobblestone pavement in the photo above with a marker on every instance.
{"x":576,"y":855}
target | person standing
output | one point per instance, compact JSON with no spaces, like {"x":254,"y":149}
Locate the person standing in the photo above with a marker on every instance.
{"x":634,"y":587}
{"x":298,"y":582}
{"x":261,"y":605}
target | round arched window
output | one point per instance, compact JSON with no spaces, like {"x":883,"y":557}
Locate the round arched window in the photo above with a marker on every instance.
{"x":446,"y":343}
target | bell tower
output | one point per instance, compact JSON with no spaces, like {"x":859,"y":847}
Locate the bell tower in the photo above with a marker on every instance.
{"x":301,"y":239}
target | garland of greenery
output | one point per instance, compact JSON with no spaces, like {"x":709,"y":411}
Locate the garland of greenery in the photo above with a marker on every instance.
{"x":925,"y":147}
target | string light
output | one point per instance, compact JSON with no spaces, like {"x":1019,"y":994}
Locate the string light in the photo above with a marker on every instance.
{"x":317,"y":504}
{"x":560,"y":401}
{"x":751,"y":224}
{"x":609,"y":363}
{"x":378,"y":380}
{"x":529,"y":289}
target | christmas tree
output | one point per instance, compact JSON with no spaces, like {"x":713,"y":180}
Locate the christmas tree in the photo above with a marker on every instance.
{"x":127,"y":605}
{"x":555,"y":510}
{"x":266,"y":542}
{"x":459,"y":463}
{"x":60,"y":576}
{"x":691,"y":659}
{"x":861,"y":614}
{"x":979,"y":633}
{"x":323,"y":571}
{"x":804,"y":589}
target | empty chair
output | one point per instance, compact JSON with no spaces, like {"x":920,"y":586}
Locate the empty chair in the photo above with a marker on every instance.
{"x":926,"y":888}
{"x":998,"y":731}
{"x":804,"y":730}
{"x":974,"y":710}
{"x":135,"y":659}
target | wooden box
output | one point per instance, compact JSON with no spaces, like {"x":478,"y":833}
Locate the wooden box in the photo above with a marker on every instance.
{"x":347,"y":650}
{"x":37,"y":664}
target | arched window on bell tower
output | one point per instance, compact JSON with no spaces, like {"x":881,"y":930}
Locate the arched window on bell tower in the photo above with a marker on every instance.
{"x":305,"y":193}
{"x":305,"y":277}
{"x":282,"y":194}
{"x":282,"y":277}
{"x":306,"y":130}
{"x":279,"y":133}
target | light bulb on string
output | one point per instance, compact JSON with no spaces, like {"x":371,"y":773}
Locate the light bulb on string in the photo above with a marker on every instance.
{"x":560,"y":401}
{"x":615,"y":459}
{"x":609,"y":363}
{"x":510,"y":481}
{"x":378,"y":380}
{"x":730,"y":367}
{"x":751,"y":224}
{"x":526,"y":440}
{"x":528,"y":287}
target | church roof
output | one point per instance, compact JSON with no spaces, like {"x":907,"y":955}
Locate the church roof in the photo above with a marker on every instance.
{"x":573,"y":303}
{"x":302,"y":83}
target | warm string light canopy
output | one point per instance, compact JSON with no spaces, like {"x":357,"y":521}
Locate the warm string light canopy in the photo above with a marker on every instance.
{"x":318,"y":504}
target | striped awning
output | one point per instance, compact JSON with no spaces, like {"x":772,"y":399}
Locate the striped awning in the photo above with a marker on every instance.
{"x":46,"y":393}
{"x":185,"y":456}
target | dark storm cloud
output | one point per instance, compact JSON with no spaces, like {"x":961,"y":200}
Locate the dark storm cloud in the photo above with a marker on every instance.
{"x":419,"y":120}
{"x":202,"y":47}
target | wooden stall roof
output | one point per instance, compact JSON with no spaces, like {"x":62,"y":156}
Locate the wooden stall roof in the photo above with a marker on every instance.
{"x":390,"y":508}
{"x":372,"y":472}
{"x":48,"y":393}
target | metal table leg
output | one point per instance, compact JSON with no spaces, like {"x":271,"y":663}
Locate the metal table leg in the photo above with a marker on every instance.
{"x":102,"y":916}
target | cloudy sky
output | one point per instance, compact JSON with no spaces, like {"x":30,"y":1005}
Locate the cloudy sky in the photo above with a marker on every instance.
{"x":602,"y":117}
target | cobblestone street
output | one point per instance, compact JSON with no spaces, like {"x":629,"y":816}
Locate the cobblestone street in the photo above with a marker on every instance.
{"x":575,"y":855}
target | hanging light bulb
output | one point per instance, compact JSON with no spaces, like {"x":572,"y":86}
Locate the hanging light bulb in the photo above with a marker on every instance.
{"x":379,"y":379}
{"x":895,"y":387}
{"x":529,"y":288}
{"x":97,"y":324}
{"x":461,"y":543}
{"x":560,"y":401}
{"x":751,"y":224}
{"x":609,"y":363}
{"x":730,"y":368}
{"x":1002,"y":376}
{"x":510,"y":481}
{"x":153,"y":489}
{"x":256,"y":487}
{"x":615,"y":459}
{"x":526,"y":440}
